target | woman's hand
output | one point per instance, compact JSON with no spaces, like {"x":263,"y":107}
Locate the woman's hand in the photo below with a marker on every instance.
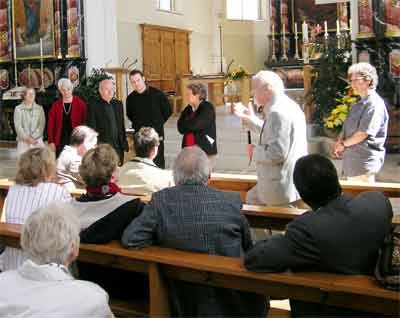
{"x":338,"y":149}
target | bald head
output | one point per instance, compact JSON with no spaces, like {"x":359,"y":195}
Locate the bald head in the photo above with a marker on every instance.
{"x":191,"y":167}
{"x":106,"y":89}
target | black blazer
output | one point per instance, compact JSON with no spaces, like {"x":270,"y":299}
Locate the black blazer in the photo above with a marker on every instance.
{"x":201,"y":123}
{"x":343,"y":237}
{"x":98,"y":120}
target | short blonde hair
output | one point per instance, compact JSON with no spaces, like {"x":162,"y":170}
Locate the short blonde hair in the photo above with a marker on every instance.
{"x":98,"y":165}
{"x":35,"y":165}
{"x":49,"y":233}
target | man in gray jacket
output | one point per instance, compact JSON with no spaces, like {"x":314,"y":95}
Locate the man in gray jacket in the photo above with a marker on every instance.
{"x":283,"y":139}
{"x":195,"y":217}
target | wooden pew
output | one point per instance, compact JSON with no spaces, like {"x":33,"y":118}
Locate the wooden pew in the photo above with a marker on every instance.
{"x":275,"y":218}
{"x":350,"y":291}
{"x":243,"y":183}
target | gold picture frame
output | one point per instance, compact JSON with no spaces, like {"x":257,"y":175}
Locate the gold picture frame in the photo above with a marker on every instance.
{"x":5,"y":40}
{"x":33,"y":20}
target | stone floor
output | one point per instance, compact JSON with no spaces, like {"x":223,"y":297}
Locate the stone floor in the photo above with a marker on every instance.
{"x":231,"y":140}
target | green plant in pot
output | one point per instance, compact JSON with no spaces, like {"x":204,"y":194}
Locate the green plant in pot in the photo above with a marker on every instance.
{"x":88,"y":89}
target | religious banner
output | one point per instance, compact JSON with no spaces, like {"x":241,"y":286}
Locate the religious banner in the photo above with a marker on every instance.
{"x":74,"y":28}
{"x":394,"y":62}
{"x":392,"y":14}
{"x":365,"y":19}
{"x":4,"y":31}
{"x":33,"y":26}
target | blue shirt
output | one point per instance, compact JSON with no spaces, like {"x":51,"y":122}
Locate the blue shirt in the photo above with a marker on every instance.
{"x":368,"y":115}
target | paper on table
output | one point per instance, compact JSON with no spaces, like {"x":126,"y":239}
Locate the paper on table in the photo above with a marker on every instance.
{"x":210,"y":140}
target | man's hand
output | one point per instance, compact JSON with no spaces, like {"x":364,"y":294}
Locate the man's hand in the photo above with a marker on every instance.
{"x":241,"y":111}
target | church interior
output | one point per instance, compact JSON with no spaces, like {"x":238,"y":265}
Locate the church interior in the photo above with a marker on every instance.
{"x":221,"y":45}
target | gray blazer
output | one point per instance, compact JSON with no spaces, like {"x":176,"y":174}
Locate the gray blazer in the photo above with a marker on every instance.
{"x":29,"y":121}
{"x":200,"y":219}
{"x":283,"y":140}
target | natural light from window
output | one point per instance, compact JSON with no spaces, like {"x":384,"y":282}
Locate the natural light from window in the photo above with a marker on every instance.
{"x":243,"y":9}
{"x":166,"y":5}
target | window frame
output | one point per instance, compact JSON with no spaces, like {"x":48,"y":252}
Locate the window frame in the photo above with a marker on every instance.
{"x":258,"y":19}
{"x":173,"y":7}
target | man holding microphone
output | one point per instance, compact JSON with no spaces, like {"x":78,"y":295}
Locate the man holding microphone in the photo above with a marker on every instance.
{"x":283,"y":139}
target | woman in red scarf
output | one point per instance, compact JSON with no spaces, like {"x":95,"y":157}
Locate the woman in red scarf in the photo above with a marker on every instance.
{"x":104,"y":213}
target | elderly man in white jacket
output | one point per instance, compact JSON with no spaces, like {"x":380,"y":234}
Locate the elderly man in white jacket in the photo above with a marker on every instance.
{"x":282,"y":141}
{"x":43,"y":287}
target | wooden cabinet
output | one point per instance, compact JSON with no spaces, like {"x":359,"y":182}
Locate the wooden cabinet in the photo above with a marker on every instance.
{"x":166,"y":56}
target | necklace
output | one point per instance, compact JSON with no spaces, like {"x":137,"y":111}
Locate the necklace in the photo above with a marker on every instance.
{"x":69,"y":109}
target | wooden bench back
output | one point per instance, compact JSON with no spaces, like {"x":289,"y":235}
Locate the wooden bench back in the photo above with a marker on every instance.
{"x":352,"y":291}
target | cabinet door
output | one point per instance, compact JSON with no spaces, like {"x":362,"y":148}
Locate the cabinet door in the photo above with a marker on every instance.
{"x":152,"y":54}
{"x":182,"y":53}
{"x":167,"y":61}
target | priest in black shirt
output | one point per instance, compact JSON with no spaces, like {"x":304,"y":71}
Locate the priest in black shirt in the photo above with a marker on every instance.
{"x":147,"y":106}
{"x":106,"y":116}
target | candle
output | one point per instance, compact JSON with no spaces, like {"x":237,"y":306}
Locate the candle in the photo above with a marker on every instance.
{"x":350,"y":25}
{"x":41,"y":48}
{"x":326,"y":28}
{"x":337,"y":27}
{"x":15,"y":49}
{"x":305,"y":32}
{"x":283,"y":30}
{"x":273,"y":30}
{"x":295,"y":29}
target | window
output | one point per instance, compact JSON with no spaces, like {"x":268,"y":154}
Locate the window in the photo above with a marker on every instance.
{"x":167,"y":5}
{"x":243,"y":9}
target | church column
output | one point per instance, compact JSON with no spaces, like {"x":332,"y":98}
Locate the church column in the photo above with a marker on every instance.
{"x":101,"y":33}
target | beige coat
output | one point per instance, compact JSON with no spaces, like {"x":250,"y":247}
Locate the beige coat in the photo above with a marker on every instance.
{"x":283,"y":140}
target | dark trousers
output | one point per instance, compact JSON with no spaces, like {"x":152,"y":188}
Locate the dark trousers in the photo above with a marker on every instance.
{"x":159,"y":160}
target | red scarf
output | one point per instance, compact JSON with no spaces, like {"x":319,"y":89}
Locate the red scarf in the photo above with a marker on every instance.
{"x":105,"y":190}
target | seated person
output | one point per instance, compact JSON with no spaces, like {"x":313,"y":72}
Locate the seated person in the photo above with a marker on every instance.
{"x":82,"y":139}
{"x":195,"y":217}
{"x":34,"y":188}
{"x":141,"y":173}
{"x":43,"y":286}
{"x":104,"y":212}
{"x":341,"y":234}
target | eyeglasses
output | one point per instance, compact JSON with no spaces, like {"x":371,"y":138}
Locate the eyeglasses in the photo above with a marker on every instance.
{"x":351,"y":80}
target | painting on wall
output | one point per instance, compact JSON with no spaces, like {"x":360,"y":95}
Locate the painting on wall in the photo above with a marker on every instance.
{"x":392,"y":14}
{"x":312,"y":14}
{"x":33,"y":20}
{"x":365,"y":19}
{"x":74,"y":28}
{"x":4,"y":31}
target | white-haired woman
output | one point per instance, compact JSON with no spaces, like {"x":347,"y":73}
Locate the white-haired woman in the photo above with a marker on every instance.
{"x":33,"y":189}
{"x":66,"y":113}
{"x":363,"y":137}
{"x":43,"y":285}
{"x":29,"y":122}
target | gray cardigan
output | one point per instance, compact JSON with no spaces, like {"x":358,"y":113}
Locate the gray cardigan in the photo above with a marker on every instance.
{"x":29,"y":121}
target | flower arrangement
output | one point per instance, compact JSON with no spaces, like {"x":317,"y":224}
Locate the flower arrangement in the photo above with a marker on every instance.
{"x":236,"y":74}
{"x":339,"y":114}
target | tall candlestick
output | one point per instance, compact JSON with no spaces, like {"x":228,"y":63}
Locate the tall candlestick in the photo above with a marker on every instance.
{"x":305,"y":32}
{"x":326,"y":29}
{"x":350,"y":26}
{"x":284,"y":56}
{"x":41,"y":66}
{"x":295,"y":28}
{"x":15,"y":60}
{"x":337,"y":27}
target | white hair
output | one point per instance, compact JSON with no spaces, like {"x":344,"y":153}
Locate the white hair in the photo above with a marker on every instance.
{"x":104,"y":82}
{"x":49,"y":233}
{"x":270,"y":81}
{"x":191,"y":167}
{"x":365,"y":70}
{"x":65,"y":83}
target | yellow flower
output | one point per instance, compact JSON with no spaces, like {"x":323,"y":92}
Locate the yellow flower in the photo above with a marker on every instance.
{"x":329,"y":124}
{"x":342,"y":117}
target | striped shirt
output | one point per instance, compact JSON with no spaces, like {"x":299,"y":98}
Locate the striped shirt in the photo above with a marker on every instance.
{"x":21,"y":201}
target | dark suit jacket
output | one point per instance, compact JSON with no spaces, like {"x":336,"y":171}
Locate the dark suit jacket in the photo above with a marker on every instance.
{"x":98,"y":120}
{"x":200,"y":219}
{"x":201,"y":123}
{"x":343,"y":237}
